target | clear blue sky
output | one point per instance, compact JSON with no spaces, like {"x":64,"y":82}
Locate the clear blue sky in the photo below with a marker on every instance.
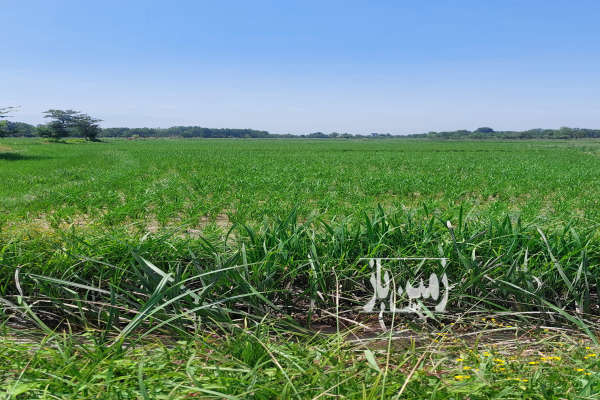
{"x":298,"y":67}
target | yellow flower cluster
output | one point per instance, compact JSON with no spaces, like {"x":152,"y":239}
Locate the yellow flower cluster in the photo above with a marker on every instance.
{"x":582,"y":370}
{"x":462,"y":377}
{"x":550,"y":358}
{"x":520,"y":379}
{"x":496,"y":323}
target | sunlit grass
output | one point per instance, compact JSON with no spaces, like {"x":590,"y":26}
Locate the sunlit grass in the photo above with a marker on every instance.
{"x":207,"y":268}
{"x":256,"y":363}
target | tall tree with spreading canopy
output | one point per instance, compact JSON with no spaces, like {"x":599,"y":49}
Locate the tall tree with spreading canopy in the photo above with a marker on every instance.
{"x":86,"y":126}
{"x":69,"y":122}
{"x":61,"y":124}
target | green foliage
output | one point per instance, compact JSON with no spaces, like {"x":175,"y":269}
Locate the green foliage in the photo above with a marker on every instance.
{"x":18,"y":129}
{"x":489,"y":133}
{"x":86,"y":126}
{"x":248,"y":180}
{"x":69,"y":123}
{"x":205,"y":245}
{"x":255,"y":363}
{"x":4,"y":113}
{"x":44,"y":131}
{"x":186,"y":132}
{"x":497,"y":194}
{"x":60,"y":125}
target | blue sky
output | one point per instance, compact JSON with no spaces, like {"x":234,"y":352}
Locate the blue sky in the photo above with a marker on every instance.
{"x":305,"y":66}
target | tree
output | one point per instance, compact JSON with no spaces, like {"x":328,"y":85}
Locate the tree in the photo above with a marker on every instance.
{"x":61,"y":124}
{"x":68,"y":122}
{"x":86,"y":126}
{"x":43,"y":131}
{"x":4,"y":111}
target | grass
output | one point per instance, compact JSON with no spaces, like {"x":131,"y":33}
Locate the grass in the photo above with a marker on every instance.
{"x":206,"y":268}
{"x":256,"y":363}
{"x":183,"y":180}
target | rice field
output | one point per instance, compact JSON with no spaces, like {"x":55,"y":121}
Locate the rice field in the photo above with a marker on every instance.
{"x":236,"y":269}
{"x":184,"y":180}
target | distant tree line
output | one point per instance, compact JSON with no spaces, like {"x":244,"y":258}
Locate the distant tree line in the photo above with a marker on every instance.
{"x":17,"y":129}
{"x":489,"y":133}
{"x":186,"y":132}
{"x":64,"y":123}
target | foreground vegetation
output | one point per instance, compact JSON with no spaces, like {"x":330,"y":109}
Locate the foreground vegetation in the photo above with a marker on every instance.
{"x":207,"y":269}
{"x":258,"y":363}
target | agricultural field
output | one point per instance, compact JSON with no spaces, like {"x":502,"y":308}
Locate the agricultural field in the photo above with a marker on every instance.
{"x":217,"y":268}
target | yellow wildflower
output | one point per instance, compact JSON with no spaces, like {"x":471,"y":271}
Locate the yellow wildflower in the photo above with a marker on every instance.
{"x":519,"y":379}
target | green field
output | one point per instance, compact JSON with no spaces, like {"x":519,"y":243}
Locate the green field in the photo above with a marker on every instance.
{"x":267,"y":236}
{"x":182,"y":180}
